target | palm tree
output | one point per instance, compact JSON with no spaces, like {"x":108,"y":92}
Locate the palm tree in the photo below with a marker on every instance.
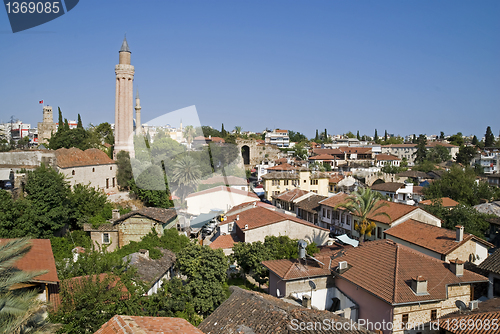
{"x":20,"y":309}
{"x":363,"y":203}
{"x":186,"y":175}
{"x":189,"y":133}
{"x":237,"y":129}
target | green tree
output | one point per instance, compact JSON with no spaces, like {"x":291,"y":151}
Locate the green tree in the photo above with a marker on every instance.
{"x":489,"y":138}
{"x":350,"y":135}
{"x":363,"y":203}
{"x":421,"y":152}
{"x":375,"y":138}
{"x":186,"y":176}
{"x":79,"y":124}
{"x":460,"y":184}
{"x":223,"y":132}
{"x":438,"y":154}
{"x":473,"y":221}
{"x":20,"y":309}
{"x":104,"y":133}
{"x":206,"y":272}
{"x":296,"y":137}
{"x":124,"y":171}
{"x":189,"y":133}
{"x":151,"y":188}
{"x":48,"y":196}
{"x":87,"y":202}
{"x":385,"y":135}
{"x":474,"y":141}
{"x":237,"y":129}
{"x":457,"y":139}
{"x":465,"y":154}
{"x":316,"y":138}
{"x":441,"y":135}
{"x":357,"y":135}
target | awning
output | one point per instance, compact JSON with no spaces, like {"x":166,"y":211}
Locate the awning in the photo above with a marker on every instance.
{"x":346,"y":240}
{"x":5,"y":174}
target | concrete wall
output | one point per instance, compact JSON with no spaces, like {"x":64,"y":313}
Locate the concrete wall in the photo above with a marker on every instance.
{"x":97,"y":239}
{"x":95,"y":175}
{"x":291,"y":229}
{"x":370,"y":307}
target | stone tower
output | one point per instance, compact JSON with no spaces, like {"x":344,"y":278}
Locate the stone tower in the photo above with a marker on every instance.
{"x":124,"y":109}
{"x":138,"y":125}
{"x":47,"y":127}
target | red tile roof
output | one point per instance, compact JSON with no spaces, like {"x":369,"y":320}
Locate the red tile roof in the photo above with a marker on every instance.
{"x":280,"y":131}
{"x":336,"y":178}
{"x":74,"y":157}
{"x":225,"y":189}
{"x":386,"y":157}
{"x":290,"y":195}
{"x":394,"y":210}
{"x":445,"y":201}
{"x":488,"y":312}
{"x":436,"y":239}
{"x":246,"y":206}
{"x":323,"y":157}
{"x":224,"y":241}
{"x":218,"y":140}
{"x":126,"y":324}
{"x":39,"y":258}
{"x":284,"y":166}
{"x":259,"y":217}
{"x":329,"y":151}
{"x":395,"y":267}
{"x":388,"y":186}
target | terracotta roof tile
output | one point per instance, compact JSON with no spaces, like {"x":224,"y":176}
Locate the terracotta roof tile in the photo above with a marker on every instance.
{"x":253,"y":312}
{"x":388,"y":186}
{"x":394,"y":210}
{"x":290,"y":195}
{"x":284,"y":166}
{"x":311,"y":203}
{"x":224,"y":241}
{"x":386,"y":157}
{"x":258,"y":217}
{"x":246,"y":206}
{"x":74,"y":157}
{"x":492,"y":263}
{"x":437,"y":239}
{"x":445,"y":201}
{"x":328,"y":151}
{"x":488,"y":311}
{"x":323,"y":157}
{"x":38,"y":258}
{"x":396,"y":266}
{"x":125,"y":324}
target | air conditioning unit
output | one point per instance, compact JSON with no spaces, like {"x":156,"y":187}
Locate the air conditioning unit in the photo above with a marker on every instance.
{"x":473,"y":305}
{"x":342,"y":265}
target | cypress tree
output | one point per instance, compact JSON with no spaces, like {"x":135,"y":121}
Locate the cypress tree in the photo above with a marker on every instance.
{"x":357,"y":135}
{"x":66,"y":125}
{"x":376,"y":136}
{"x":489,"y":138}
{"x":316,"y":139}
{"x":60,"y":127}
{"x":385,"y":135}
{"x":474,"y":140}
{"x":79,"y":125}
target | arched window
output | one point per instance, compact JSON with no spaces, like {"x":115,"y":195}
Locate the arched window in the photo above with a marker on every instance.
{"x":73,"y":172}
{"x":93,"y":170}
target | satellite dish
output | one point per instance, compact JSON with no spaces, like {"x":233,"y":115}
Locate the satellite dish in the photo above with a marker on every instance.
{"x":461,"y":305}
{"x":313,"y":286}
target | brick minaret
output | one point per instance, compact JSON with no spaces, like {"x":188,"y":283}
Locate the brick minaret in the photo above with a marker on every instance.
{"x":124,"y":108}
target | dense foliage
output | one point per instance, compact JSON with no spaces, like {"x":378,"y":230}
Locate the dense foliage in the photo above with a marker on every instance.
{"x":461,"y":185}
{"x":250,"y":255}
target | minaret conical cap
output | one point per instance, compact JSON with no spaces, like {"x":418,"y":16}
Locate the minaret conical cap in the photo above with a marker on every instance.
{"x":125,"y":47}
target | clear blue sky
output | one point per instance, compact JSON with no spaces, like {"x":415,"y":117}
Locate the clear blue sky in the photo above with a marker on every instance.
{"x":405,"y":66}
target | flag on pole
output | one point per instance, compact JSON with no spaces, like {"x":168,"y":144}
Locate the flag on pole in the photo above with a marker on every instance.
{"x":40,"y":102}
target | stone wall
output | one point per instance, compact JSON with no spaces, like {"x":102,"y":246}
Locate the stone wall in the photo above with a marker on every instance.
{"x":259,"y":152}
{"x":99,"y":176}
{"x":135,"y":228}
{"x":17,"y":159}
{"x":97,"y":240}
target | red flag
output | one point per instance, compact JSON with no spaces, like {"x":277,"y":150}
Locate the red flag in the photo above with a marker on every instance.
{"x":40,"y":102}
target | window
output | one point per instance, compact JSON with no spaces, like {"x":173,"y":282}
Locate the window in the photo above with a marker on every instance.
{"x":434,"y":315}
{"x":105,"y":238}
{"x":93,"y":170}
{"x":113,"y":182}
{"x":328,"y":214}
{"x":324,"y":212}
{"x":314,"y":182}
{"x":405,"y":319}
{"x":107,"y":183}
{"x":496,"y":287}
{"x":348,"y":220}
{"x":285,"y":182}
{"x":111,"y":168}
{"x":230,"y":227}
{"x":73,"y":172}
{"x":379,"y":232}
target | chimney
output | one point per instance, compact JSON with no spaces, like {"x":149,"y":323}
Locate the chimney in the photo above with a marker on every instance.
{"x":116,"y":214}
{"x":306,"y":301}
{"x":460,"y":233}
{"x":144,"y":253}
{"x":457,"y":267}
{"x":237,"y":217}
{"x":419,"y":285}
